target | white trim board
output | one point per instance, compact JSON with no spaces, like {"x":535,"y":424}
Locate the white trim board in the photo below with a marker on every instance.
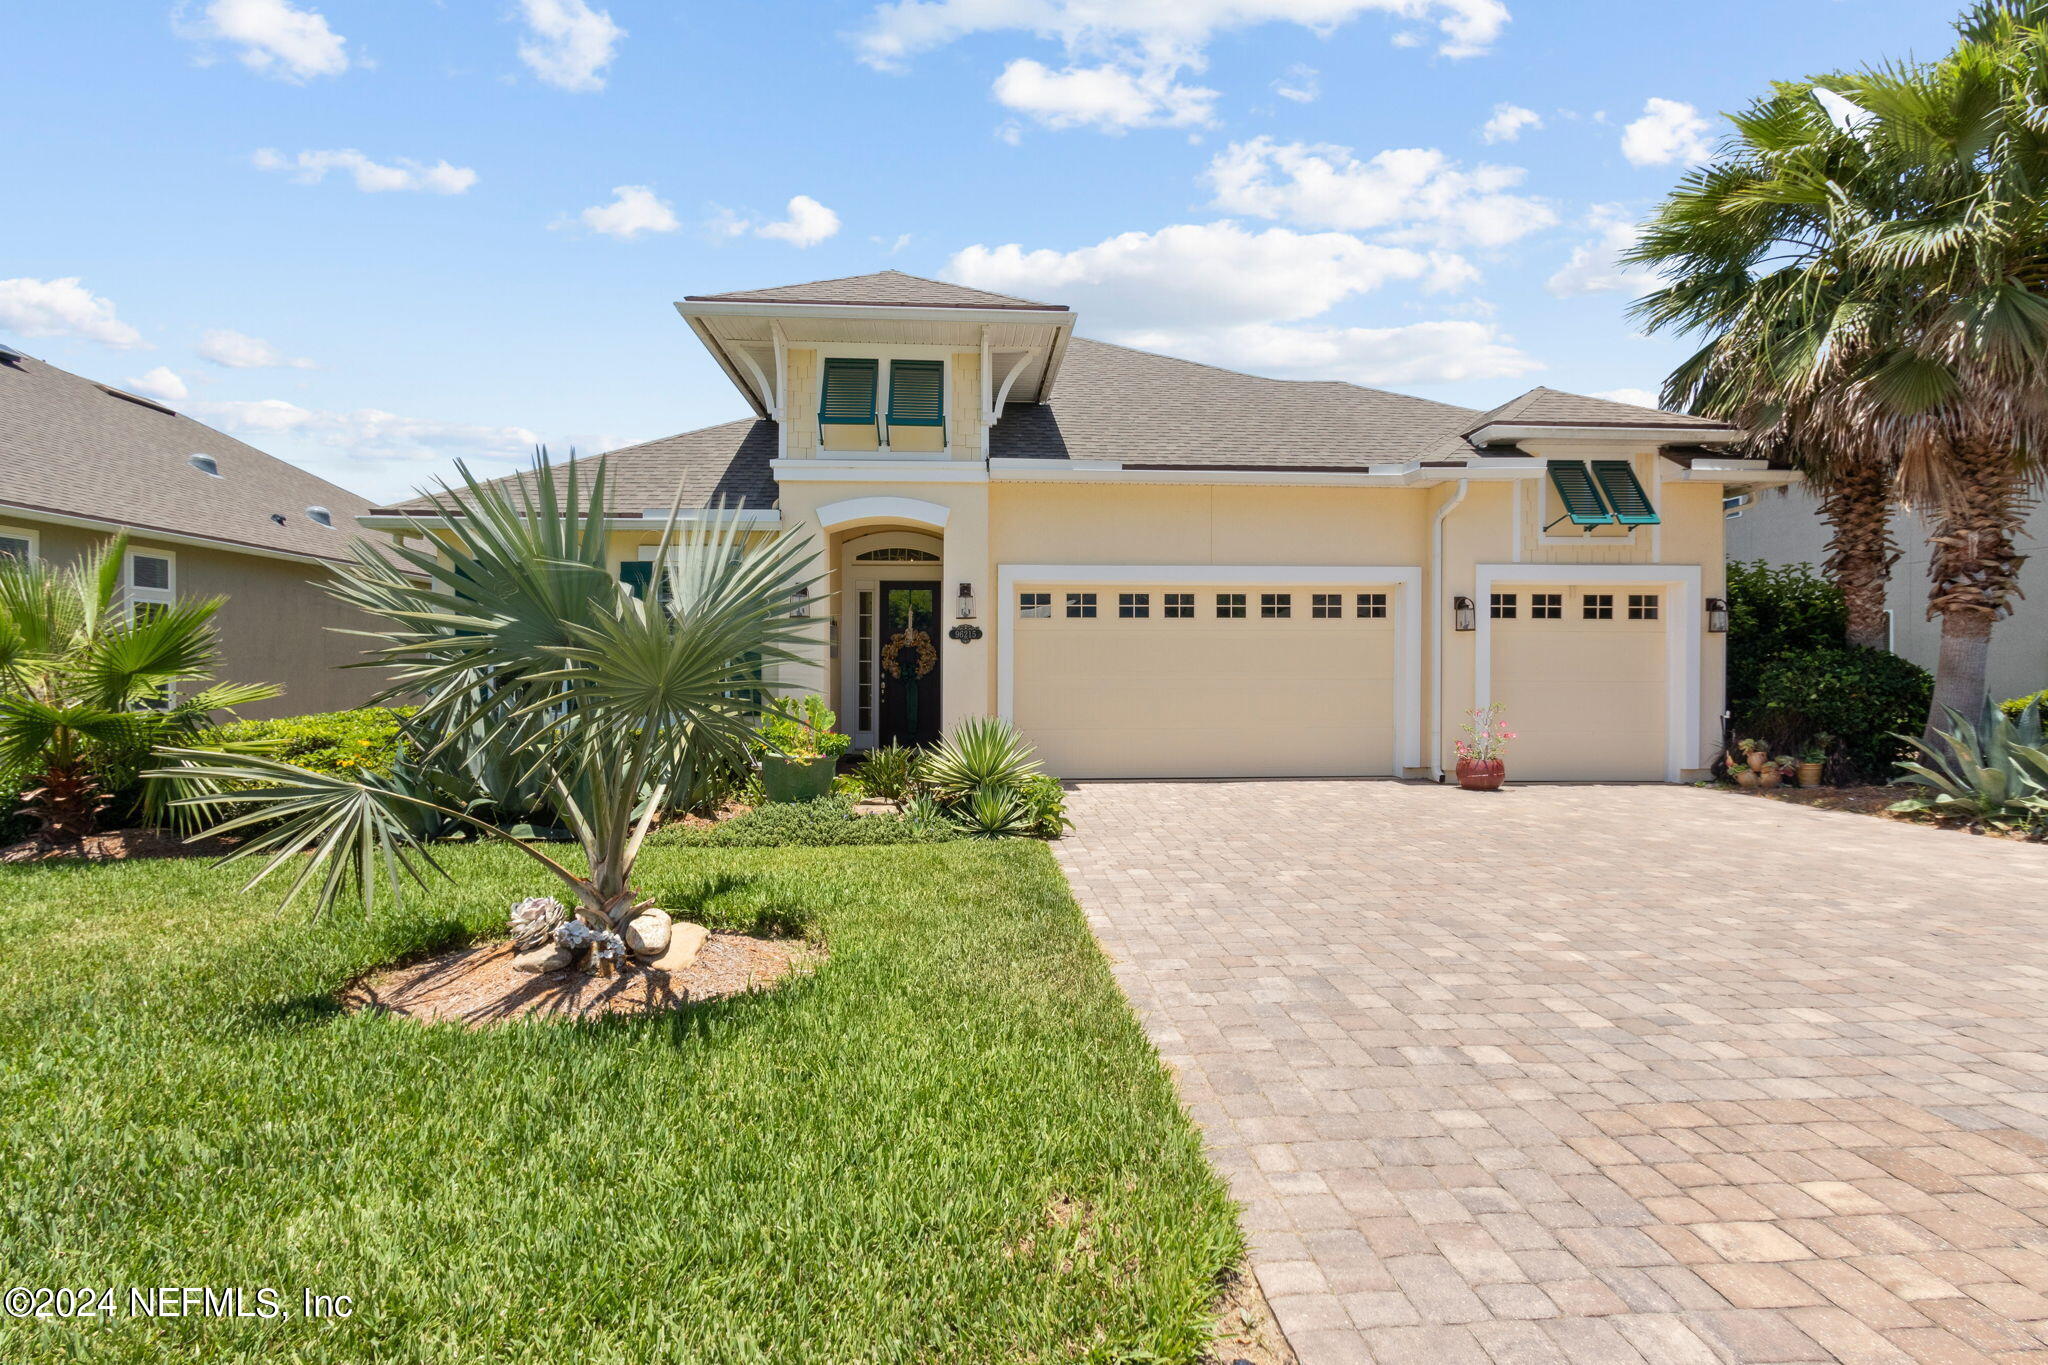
{"x":1407,"y":607}
{"x":884,"y":508}
{"x":1683,"y":627}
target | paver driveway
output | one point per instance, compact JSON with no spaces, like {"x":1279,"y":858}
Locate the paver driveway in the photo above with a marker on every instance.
{"x":1598,"y":1074}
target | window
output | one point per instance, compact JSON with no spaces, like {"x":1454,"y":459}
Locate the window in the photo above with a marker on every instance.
{"x":864,"y":658}
{"x":1598,"y":606}
{"x":1034,"y":604}
{"x":1642,"y":606}
{"x":1546,"y":606}
{"x":149,"y":575}
{"x":917,"y":393}
{"x":897,"y":555}
{"x":1503,"y":606}
{"x":1372,"y":606}
{"x":846,"y":394}
{"x":1133,"y":605}
{"x":1230,"y":605}
{"x":1180,"y":606}
{"x":1326,"y":606}
{"x":1276,"y":605}
{"x":1081,"y":605}
{"x":636,"y":574}
{"x":17,"y":543}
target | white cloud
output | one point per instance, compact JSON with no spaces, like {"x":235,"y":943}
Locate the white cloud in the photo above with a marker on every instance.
{"x":569,"y":44}
{"x":1595,"y":266}
{"x":1110,"y":96}
{"x":379,"y":454}
{"x":63,"y":308}
{"x":1412,"y":193}
{"x":239,"y":351}
{"x":275,"y":37}
{"x":1508,"y":121}
{"x":1303,"y":84}
{"x":1419,"y":353}
{"x":634,"y":209}
{"x":1668,"y":131}
{"x":162,"y":382}
{"x":372,"y":177}
{"x":1642,"y":398}
{"x":807,"y":224}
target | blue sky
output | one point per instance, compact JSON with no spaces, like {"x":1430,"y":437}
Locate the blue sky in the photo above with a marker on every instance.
{"x":372,"y":236}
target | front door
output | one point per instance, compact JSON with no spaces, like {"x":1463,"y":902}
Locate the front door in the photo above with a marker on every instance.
{"x":910,"y":663}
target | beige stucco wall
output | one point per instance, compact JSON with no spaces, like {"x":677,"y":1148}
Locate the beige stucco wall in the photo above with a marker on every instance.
{"x":277,"y":624}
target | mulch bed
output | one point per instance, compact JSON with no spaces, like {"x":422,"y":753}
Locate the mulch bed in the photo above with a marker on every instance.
{"x":1856,"y":800}
{"x":476,"y":986}
{"x":117,"y":845}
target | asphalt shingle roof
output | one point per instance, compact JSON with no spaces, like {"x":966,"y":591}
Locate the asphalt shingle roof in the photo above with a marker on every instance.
{"x":70,"y":446}
{"x":883,"y":289}
{"x":1550,"y":407}
{"x":727,"y":463}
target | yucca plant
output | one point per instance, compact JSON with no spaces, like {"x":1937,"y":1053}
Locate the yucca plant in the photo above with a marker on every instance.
{"x":993,"y":813}
{"x":887,"y":772}
{"x":1997,"y":773}
{"x":516,"y":625}
{"x":981,"y":751}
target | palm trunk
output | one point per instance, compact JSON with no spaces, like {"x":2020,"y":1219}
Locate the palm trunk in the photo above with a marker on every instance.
{"x":1975,"y":571}
{"x":1858,"y":505}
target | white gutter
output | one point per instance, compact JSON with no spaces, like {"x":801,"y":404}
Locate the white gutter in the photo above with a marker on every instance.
{"x":1499,"y":433}
{"x":1436,"y":580}
{"x":32,"y":514}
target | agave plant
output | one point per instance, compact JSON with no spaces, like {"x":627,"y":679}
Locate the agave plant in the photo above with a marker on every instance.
{"x":886,"y":772}
{"x":1998,"y":772}
{"x":982,"y":751}
{"x":517,"y":626}
{"x":993,"y":813}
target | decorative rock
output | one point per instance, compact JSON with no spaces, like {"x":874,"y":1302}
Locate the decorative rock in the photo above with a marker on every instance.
{"x":877,"y":805}
{"x":549,"y":957}
{"x":686,"y":941}
{"x":647,"y":933}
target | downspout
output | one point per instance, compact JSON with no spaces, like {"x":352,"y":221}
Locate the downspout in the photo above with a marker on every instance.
{"x":1439,"y":630}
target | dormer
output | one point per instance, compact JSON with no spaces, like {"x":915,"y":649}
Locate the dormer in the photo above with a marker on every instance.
{"x":882,"y":366}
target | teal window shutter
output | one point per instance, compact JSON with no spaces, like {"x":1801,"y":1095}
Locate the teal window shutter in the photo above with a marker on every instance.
{"x":917,"y":393}
{"x":846,"y":397}
{"x":1617,"y":479}
{"x":1579,"y":494}
{"x":636,"y":574}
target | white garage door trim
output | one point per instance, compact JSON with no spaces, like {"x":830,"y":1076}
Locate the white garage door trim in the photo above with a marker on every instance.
{"x":1405,"y":579}
{"x":1682,"y":626}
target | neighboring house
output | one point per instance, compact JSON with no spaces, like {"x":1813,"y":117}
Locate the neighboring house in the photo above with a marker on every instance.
{"x":1786,"y":528}
{"x":207,"y":516}
{"x":1160,"y":568}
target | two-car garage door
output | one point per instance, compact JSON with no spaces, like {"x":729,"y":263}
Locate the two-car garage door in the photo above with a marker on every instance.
{"x":1182,"y":679}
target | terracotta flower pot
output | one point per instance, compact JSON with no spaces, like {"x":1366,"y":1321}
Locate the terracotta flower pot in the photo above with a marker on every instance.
{"x":1481,"y":774}
{"x":1757,"y":761}
{"x":1809,"y":774}
{"x":1767,"y":777}
{"x":1744,"y":777}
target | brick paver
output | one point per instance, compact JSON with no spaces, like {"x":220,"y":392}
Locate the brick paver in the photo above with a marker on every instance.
{"x":1598,"y":1074}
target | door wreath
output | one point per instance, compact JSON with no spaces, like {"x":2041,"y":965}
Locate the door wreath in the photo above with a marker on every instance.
{"x":914,"y":641}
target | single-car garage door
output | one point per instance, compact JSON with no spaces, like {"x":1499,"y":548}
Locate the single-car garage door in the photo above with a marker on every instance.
{"x":1179,"y":680}
{"x":1581,"y":673}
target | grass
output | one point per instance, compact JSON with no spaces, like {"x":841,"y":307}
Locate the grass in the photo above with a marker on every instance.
{"x":950,"y":1144}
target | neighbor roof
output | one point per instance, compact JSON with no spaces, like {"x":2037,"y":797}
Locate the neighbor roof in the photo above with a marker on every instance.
{"x":1541,"y":407}
{"x":884,"y":289}
{"x":73,"y":447}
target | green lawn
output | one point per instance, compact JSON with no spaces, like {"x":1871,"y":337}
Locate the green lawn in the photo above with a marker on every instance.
{"x":858,"y":1167}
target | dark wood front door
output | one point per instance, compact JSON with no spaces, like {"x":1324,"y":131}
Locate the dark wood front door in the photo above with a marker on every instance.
{"x":910,"y":663}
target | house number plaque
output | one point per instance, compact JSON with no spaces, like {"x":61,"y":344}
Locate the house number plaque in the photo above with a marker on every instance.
{"x":965,"y":634}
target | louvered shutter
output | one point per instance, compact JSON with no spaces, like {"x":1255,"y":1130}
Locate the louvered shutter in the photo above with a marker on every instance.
{"x":847,"y":395}
{"x":917,"y":392}
{"x":1617,"y":479}
{"x":1579,"y":494}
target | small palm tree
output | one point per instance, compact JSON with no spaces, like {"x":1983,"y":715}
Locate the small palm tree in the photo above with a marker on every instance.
{"x":511,"y":622}
{"x":88,"y":687}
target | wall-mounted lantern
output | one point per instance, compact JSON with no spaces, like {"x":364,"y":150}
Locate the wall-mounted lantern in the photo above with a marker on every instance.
{"x":800,"y":601}
{"x":1463,"y":616}
{"x":963,"y":605}
{"x":1717,"y":616}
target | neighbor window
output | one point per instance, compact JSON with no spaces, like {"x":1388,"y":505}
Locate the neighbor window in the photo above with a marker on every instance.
{"x":1546,"y":606}
{"x":1503,"y":606}
{"x":1180,"y":606}
{"x":19,"y":546}
{"x":152,"y":583}
{"x":1642,"y":606}
{"x":1372,"y":605}
{"x":1081,"y":604}
{"x":1326,"y":606}
{"x":1598,"y":606}
{"x":1034,"y":604}
{"x":1274,"y":605}
{"x":149,"y":574}
{"x":1230,"y":604}
{"x":1133,"y":605}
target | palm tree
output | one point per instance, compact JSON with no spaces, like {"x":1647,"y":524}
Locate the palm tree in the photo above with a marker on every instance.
{"x":512,"y":623}
{"x":87,"y":687}
{"x":1865,"y":278}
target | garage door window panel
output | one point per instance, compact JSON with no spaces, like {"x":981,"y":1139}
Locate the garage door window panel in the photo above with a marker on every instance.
{"x":1230,"y":605}
{"x":1081,"y":605}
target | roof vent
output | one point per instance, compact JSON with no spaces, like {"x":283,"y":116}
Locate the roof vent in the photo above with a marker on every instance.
{"x":277,"y":517}
{"x":320,"y":516}
{"x":205,"y":464}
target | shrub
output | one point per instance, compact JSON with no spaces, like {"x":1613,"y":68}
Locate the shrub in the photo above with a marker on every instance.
{"x":802,"y":729}
{"x":1776,"y":611}
{"x":337,"y":743}
{"x":2018,"y":705}
{"x":887,"y":772}
{"x":982,"y":751}
{"x":1045,"y":803}
{"x":805,"y":824}
{"x":1866,"y":696}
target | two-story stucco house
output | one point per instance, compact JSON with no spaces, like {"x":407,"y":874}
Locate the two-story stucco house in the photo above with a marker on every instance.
{"x":1163,"y":569}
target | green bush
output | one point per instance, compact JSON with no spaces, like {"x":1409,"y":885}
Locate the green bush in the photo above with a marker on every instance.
{"x":1776,"y":611}
{"x":1866,"y":696}
{"x":804,"y":824}
{"x":802,"y":729}
{"x":1045,"y":801}
{"x":886,"y":772}
{"x":338,"y":743}
{"x":2018,"y":705}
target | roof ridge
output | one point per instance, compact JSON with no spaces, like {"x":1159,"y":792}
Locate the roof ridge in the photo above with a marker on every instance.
{"x":1274,"y":379}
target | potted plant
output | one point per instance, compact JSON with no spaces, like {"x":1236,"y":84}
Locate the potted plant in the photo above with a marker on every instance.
{"x":1747,"y":768}
{"x":800,"y":749}
{"x":1813,"y":761}
{"x":1480,"y":767}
